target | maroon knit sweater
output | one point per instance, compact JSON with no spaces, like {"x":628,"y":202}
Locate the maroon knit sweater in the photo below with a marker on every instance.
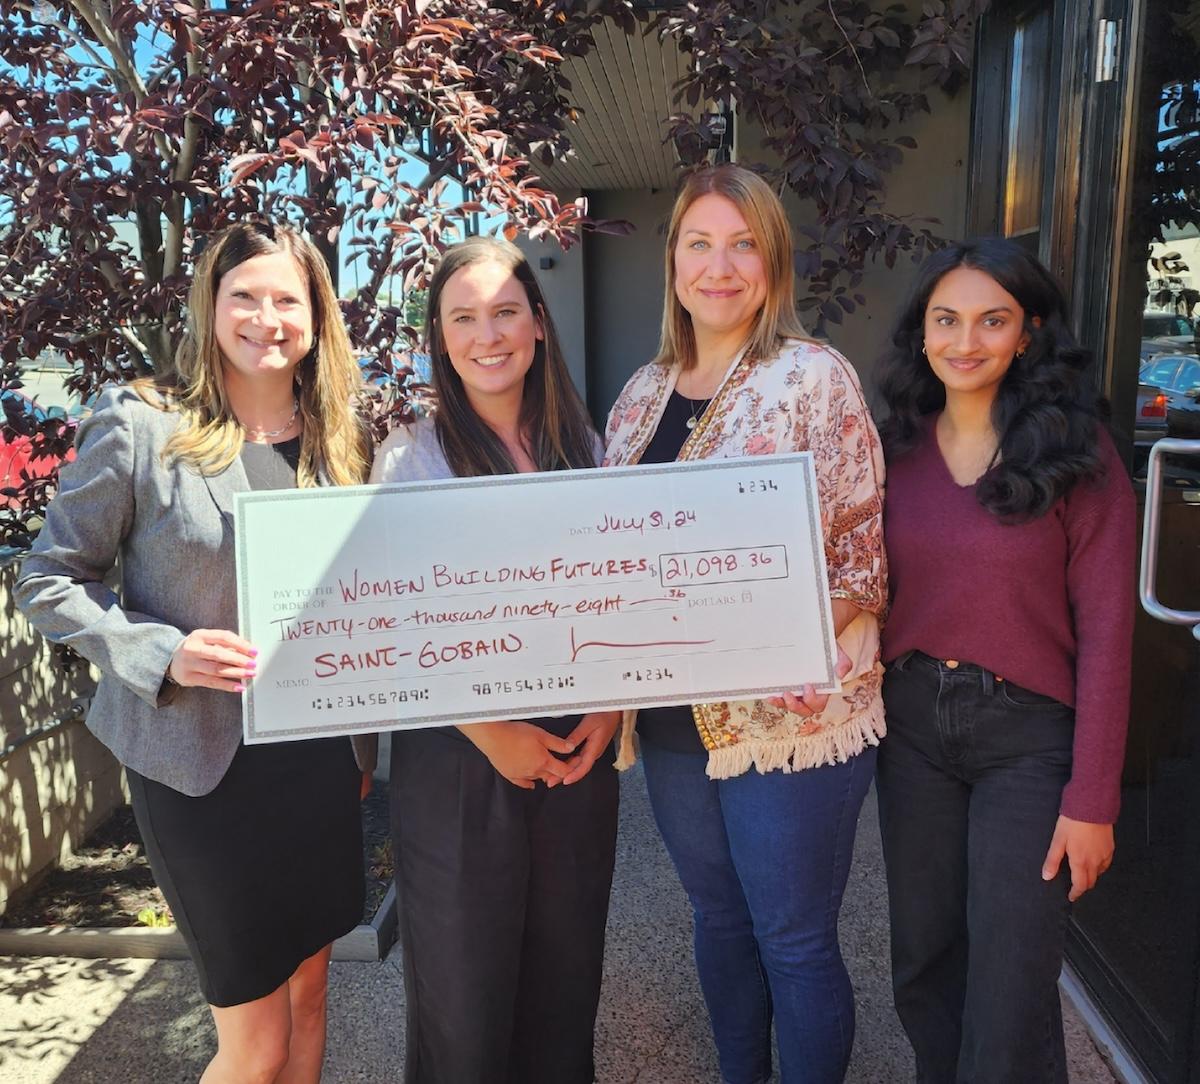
{"x":1047,"y":604}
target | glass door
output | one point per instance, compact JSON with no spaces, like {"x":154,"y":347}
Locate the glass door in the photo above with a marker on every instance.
{"x":1092,"y":159}
{"x":1136,"y":293}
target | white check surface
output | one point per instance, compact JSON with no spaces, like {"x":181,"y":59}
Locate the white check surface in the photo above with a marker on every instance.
{"x":379,"y":607}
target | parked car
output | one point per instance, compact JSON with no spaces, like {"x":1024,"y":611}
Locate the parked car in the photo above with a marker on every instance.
{"x":1167,"y":332}
{"x":1172,"y":372}
{"x":1150,"y":418}
{"x":16,"y":451}
{"x":80,"y":408}
{"x":1177,"y":376}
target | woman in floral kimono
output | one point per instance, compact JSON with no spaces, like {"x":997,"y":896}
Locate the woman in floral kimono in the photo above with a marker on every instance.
{"x":758,"y":800}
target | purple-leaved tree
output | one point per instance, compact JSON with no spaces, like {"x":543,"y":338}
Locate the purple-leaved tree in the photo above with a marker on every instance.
{"x":128,"y":130}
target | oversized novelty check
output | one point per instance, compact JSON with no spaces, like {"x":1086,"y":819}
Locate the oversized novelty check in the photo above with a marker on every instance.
{"x":377,"y":607}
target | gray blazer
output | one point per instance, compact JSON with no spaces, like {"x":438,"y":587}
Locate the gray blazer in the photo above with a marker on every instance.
{"x":171,"y":532}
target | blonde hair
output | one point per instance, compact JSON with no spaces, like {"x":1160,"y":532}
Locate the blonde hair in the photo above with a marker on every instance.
{"x":210,"y":437}
{"x":764,"y":214}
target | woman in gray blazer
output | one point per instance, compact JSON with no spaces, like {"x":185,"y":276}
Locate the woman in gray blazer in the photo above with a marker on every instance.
{"x":256,"y":848}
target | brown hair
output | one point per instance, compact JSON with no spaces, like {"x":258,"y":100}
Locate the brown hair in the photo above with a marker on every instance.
{"x":553,"y":420}
{"x":764,"y":214}
{"x":327,"y":378}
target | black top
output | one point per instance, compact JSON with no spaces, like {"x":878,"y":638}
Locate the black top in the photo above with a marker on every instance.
{"x":671,"y":728}
{"x":271,"y":466}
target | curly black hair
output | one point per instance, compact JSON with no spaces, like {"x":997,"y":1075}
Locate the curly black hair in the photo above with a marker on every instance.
{"x":1047,"y":409}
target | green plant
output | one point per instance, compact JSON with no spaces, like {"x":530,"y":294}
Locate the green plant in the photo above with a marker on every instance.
{"x":381,"y":864}
{"x":154,"y":918}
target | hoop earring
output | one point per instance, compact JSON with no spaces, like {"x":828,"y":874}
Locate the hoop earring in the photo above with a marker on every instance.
{"x":923,"y":350}
{"x":1020,"y":354}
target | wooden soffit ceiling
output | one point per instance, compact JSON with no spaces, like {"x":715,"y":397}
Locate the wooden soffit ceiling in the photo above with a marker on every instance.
{"x":624,"y":91}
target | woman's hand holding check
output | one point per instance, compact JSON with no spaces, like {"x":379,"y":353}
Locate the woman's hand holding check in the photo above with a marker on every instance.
{"x":808,"y":701}
{"x":214,"y":659}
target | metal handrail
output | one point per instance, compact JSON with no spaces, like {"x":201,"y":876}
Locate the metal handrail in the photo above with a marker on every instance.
{"x":77,"y":712}
{"x":1150,"y":531}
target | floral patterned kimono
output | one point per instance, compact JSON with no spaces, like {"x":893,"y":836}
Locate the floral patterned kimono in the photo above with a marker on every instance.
{"x":805,"y":397}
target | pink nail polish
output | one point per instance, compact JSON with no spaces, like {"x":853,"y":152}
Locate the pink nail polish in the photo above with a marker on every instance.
{"x":239,"y":688}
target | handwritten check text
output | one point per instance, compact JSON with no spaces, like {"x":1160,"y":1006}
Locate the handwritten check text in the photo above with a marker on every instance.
{"x":379,"y":607}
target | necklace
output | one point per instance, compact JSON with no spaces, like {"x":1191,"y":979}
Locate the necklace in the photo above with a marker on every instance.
{"x":267,"y":434}
{"x":699,"y":407}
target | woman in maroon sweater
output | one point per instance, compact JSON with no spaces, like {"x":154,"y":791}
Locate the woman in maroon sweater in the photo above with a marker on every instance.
{"x":1009,"y":526}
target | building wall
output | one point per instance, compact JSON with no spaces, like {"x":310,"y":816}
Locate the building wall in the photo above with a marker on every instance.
{"x":931,"y":182}
{"x":57,"y":782}
{"x":563,"y":287}
{"x":623,"y":277}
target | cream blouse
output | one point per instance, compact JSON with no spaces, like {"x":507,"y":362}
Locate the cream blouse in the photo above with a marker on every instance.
{"x":805,"y":397}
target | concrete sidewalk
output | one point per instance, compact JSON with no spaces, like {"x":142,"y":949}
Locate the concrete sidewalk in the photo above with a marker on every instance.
{"x":142,"y":1022}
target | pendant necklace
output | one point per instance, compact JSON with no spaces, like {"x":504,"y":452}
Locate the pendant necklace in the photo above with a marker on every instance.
{"x":699,"y":407}
{"x":266,"y":434}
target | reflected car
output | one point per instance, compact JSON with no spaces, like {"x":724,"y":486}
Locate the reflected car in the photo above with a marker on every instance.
{"x":1177,"y":376}
{"x":1167,"y":332}
{"x":16,"y":450}
{"x":1150,"y":416}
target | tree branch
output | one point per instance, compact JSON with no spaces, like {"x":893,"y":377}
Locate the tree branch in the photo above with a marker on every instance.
{"x":382,"y":269}
{"x":854,"y":52}
{"x":128,"y":335}
{"x":75,"y":39}
{"x":104,"y":33}
{"x":186,"y":160}
{"x":125,"y":70}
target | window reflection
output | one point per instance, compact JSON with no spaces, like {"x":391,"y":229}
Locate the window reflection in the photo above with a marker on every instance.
{"x":1028,"y":104}
{"x":1168,"y":400}
{"x":1140,"y":922}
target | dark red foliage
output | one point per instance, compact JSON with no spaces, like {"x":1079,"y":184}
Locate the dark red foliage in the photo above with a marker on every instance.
{"x":830,"y":83}
{"x":128,"y":130}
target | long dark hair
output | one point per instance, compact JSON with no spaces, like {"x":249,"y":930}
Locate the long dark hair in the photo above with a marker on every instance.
{"x":1046,"y":410}
{"x":553,"y":421}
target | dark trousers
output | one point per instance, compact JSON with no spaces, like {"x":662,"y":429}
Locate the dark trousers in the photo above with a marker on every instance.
{"x":503,"y":899}
{"x":970,"y":779}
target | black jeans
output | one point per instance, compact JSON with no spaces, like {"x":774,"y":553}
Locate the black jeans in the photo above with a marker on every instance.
{"x":970,"y":779}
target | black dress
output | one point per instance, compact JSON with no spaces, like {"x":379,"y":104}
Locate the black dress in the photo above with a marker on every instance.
{"x":267,"y":869}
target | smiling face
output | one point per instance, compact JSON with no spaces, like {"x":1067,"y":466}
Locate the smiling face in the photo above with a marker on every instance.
{"x":973,"y":328}
{"x":263,"y":318}
{"x":488,"y":330}
{"x":719,"y":274}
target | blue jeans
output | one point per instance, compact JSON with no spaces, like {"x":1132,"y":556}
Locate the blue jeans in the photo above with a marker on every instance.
{"x":764,"y":860}
{"x":971,"y":775}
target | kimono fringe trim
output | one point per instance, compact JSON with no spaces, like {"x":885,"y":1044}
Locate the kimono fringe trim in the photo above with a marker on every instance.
{"x":626,"y":750}
{"x":793,"y":754}
{"x":801,"y":752}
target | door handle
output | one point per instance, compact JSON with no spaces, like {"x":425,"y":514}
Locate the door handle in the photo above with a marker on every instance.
{"x":1150,"y":530}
